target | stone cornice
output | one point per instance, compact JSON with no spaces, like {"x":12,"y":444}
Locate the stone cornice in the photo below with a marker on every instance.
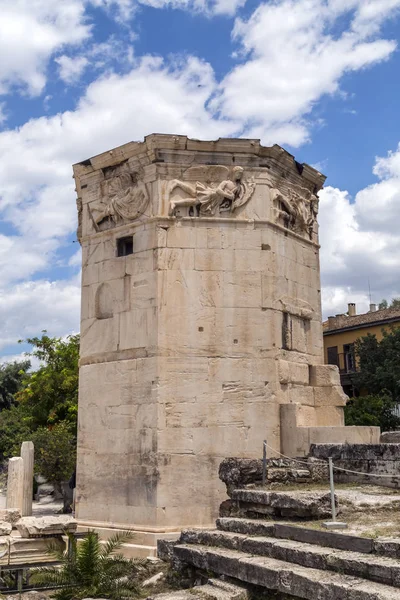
{"x":163,"y":148}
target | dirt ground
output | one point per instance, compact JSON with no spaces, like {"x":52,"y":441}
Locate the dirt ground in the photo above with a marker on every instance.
{"x":369,"y":510}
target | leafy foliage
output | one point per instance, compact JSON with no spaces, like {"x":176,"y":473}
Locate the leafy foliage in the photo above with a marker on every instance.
{"x":395,"y":303}
{"x":383,"y":304}
{"x":379,"y":364}
{"x":46,"y":406}
{"x":14,"y":429}
{"x":379,"y":376}
{"x":55,"y":452}
{"x":91,"y":570}
{"x":373,"y":411}
{"x":11,"y":377}
{"x":50,"y":394}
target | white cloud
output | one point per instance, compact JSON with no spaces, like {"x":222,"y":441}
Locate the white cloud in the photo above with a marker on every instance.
{"x":28,"y":308}
{"x":3,"y":113}
{"x":71,"y":68}
{"x":31,"y":31}
{"x":292,"y":56}
{"x":360,"y":240}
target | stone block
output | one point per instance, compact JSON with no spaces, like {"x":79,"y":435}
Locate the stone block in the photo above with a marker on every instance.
{"x":324,"y":376}
{"x":10,"y":515}
{"x":45,"y":526}
{"x":302,"y":394}
{"x":241,"y":289}
{"x":141,"y":262}
{"x":5,"y":528}
{"x":290,"y":372}
{"x":175,"y":259}
{"x":324,"y":538}
{"x":390,"y":437}
{"x":330,"y":396}
{"x":27,"y":455}
{"x":329,"y":416}
{"x":15,"y":483}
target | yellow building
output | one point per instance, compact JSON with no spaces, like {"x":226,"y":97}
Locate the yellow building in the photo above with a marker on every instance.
{"x":342,"y":331}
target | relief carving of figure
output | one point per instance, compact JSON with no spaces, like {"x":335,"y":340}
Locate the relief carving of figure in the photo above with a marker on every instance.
{"x":298,"y":207}
{"x":207,"y":200}
{"x":124,"y":198}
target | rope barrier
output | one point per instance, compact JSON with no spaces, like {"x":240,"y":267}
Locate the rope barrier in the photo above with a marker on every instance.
{"x":325,"y":463}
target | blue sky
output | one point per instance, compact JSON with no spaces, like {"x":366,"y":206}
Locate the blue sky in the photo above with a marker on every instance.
{"x":77,"y":77}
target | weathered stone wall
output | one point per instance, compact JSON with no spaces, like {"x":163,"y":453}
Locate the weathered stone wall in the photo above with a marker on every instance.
{"x":382,"y":460}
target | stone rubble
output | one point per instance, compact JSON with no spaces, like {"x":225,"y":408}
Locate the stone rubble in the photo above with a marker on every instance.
{"x":29,"y":527}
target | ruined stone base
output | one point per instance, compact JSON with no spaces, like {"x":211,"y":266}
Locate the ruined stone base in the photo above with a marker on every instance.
{"x":143,"y":543}
{"x":296,"y":437}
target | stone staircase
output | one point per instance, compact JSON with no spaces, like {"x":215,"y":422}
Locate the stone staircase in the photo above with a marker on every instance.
{"x":304,"y":563}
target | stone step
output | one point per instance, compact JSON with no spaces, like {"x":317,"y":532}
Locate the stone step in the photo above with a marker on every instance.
{"x":283,"y":577}
{"x":247,"y":526}
{"x":214,"y":589}
{"x":222,"y":590}
{"x":389,"y":547}
{"x":375,"y":568}
{"x":299,"y":504}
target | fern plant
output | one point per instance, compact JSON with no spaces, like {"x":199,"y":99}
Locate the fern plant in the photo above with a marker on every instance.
{"x":89,"y":569}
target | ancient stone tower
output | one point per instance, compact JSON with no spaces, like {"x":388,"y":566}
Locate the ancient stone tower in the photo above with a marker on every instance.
{"x":201,"y":325}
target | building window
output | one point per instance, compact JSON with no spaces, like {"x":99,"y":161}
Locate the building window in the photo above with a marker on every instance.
{"x":125,"y":246}
{"x":333,"y":356}
{"x":349,"y":361}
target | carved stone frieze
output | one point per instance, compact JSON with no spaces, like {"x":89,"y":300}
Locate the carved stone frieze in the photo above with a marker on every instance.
{"x":295,"y":207}
{"x":220,"y":194}
{"x":124,"y":198}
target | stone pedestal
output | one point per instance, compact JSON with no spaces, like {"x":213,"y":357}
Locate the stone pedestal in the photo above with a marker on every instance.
{"x":200,"y":318}
{"x":27,"y":455}
{"x":15,"y":483}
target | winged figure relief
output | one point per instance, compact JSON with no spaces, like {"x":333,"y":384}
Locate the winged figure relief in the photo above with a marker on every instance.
{"x":298,"y":206}
{"x":208,"y":198}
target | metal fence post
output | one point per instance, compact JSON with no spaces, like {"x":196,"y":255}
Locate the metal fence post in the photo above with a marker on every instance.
{"x":332,"y":484}
{"x":264,"y":471}
{"x":334,"y":524}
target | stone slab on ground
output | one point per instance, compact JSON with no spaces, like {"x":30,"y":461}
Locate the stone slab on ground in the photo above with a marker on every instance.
{"x":300,"y":504}
{"x":45,"y":526}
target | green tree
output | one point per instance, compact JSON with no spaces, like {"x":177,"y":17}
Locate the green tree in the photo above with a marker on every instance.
{"x":15,"y":428}
{"x":55,"y":452}
{"x":395,"y":303}
{"x":11,"y":377}
{"x":91,"y":570}
{"x":383,"y":304}
{"x":373,"y":411}
{"x":50,"y":394}
{"x":379,"y":364}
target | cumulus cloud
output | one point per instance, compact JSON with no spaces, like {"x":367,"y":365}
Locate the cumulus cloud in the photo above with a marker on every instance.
{"x":360,"y":242}
{"x":29,"y":307}
{"x":31,"y":31}
{"x":292,"y":55}
{"x":71,"y":68}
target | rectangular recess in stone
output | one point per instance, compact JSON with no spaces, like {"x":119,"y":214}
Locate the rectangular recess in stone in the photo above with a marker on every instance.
{"x":125,"y":246}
